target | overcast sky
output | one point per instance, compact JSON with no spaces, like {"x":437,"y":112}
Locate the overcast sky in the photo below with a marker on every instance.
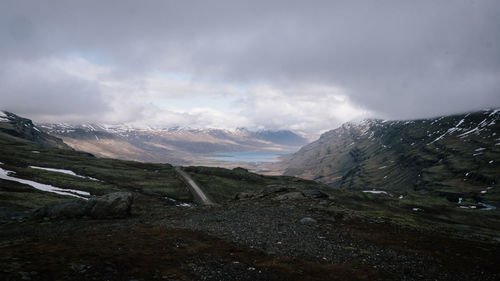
{"x":300,"y":65}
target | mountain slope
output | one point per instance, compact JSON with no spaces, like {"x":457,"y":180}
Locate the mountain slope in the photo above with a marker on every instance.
{"x":456,"y":155}
{"x":13,"y":125}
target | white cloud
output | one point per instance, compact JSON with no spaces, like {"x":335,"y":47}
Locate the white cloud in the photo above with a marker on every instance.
{"x":309,"y":108}
{"x":165,"y":100}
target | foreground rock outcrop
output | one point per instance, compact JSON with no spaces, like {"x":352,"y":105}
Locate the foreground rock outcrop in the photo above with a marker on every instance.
{"x":113,"y":205}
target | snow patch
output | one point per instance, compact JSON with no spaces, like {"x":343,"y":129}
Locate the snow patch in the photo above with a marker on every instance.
{"x":375,"y":191}
{"x":449,"y":131}
{"x":486,"y":207}
{"x":63,"y":171}
{"x":494,"y":112}
{"x":469,"y":132}
{"x":482,"y":207}
{"x":5,"y":174}
{"x":177,"y":203}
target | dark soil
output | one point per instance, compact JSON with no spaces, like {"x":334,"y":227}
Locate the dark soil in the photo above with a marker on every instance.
{"x":244,"y":240}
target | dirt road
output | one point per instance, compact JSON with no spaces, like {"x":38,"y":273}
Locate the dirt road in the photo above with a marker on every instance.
{"x":199,"y":195}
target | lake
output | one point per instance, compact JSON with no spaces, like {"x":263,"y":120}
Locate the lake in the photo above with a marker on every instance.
{"x":250,"y":156}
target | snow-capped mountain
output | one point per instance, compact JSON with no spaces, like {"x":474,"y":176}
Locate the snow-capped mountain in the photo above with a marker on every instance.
{"x":174,"y":145}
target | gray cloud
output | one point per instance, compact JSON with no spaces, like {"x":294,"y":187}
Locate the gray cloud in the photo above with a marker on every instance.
{"x":44,"y":89}
{"x":396,"y":59}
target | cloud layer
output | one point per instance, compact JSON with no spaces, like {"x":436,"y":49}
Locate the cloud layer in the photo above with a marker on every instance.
{"x":261,"y":64}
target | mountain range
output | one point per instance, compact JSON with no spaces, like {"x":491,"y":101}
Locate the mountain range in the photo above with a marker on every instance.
{"x":168,"y":145}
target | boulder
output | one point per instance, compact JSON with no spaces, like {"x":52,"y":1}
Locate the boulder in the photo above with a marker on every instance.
{"x":244,"y":195}
{"x":67,"y":209}
{"x":314,"y":193}
{"x":113,"y":205}
{"x":308,"y":220}
{"x":290,"y":196}
{"x":276,"y":188}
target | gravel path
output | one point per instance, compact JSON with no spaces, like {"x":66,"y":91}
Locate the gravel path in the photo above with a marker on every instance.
{"x":194,"y":187}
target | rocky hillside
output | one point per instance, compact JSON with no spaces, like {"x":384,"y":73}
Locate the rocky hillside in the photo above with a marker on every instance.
{"x":13,"y":125}
{"x":451,"y":154}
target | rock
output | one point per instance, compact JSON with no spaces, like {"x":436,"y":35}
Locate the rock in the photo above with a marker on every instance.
{"x":113,"y":205}
{"x":243,"y":195}
{"x":67,"y":209}
{"x":314,"y":193}
{"x":289,"y":196}
{"x":308,"y":220}
{"x":276,"y":188}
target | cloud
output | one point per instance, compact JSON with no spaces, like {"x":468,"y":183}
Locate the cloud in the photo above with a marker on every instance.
{"x":306,"y":108}
{"x":280,"y":64}
{"x":44,"y":88}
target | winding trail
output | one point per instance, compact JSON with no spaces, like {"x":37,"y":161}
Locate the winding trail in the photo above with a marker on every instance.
{"x":198,"y":194}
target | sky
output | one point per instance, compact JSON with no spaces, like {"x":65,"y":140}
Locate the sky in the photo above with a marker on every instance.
{"x":306,"y":66}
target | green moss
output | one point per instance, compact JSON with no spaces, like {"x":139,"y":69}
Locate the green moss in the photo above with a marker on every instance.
{"x":113,"y":175}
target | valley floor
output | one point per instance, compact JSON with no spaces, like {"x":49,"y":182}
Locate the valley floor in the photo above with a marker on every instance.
{"x":257,"y":239}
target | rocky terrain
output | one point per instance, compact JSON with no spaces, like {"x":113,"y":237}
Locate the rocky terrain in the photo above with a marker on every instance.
{"x":265,"y":236}
{"x":67,"y":215}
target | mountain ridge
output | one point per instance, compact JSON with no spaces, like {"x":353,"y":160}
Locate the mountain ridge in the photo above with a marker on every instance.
{"x":454,"y":155}
{"x":19,"y":127}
